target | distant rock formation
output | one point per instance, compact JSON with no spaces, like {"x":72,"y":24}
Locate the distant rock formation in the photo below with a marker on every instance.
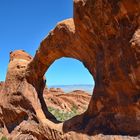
{"x":104,"y":35}
{"x":60,"y":100}
{"x":56,"y":90}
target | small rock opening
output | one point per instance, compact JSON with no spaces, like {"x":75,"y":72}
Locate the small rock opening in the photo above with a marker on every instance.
{"x":69,"y":87}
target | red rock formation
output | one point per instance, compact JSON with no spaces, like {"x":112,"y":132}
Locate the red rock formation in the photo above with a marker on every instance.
{"x":58,"y":99}
{"x":66,"y":101}
{"x":1,"y":86}
{"x":105,"y":36}
{"x":56,"y":90}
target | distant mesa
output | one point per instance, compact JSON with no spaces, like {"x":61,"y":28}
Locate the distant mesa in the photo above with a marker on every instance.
{"x":56,"y":90}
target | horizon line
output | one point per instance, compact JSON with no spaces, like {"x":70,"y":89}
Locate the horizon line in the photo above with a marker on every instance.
{"x":72,"y":85}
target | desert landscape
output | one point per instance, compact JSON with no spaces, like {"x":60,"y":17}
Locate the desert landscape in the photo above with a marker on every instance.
{"x":105,"y":36}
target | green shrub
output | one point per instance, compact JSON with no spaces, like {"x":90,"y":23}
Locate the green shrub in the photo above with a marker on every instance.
{"x":4,"y":138}
{"x":62,"y":115}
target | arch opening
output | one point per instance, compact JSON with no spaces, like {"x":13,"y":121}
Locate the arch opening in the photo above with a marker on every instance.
{"x":69,"y":88}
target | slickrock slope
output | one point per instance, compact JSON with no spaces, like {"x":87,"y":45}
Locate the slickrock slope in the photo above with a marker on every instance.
{"x":105,"y":36}
{"x":66,"y":101}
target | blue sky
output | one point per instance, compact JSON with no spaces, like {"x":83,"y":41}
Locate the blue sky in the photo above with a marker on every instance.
{"x":68,"y":71}
{"x":24,"y":23}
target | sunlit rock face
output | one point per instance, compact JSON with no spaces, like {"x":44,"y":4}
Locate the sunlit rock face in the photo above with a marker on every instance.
{"x":105,"y":36}
{"x":1,"y":86}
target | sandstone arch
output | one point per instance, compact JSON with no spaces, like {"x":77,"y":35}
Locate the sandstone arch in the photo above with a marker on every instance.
{"x":104,"y":35}
{"x":68,"y":46}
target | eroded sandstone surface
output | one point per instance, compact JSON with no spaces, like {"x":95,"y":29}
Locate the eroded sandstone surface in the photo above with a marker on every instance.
{"x":105,"y":36}
{"x":60,"y":100}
